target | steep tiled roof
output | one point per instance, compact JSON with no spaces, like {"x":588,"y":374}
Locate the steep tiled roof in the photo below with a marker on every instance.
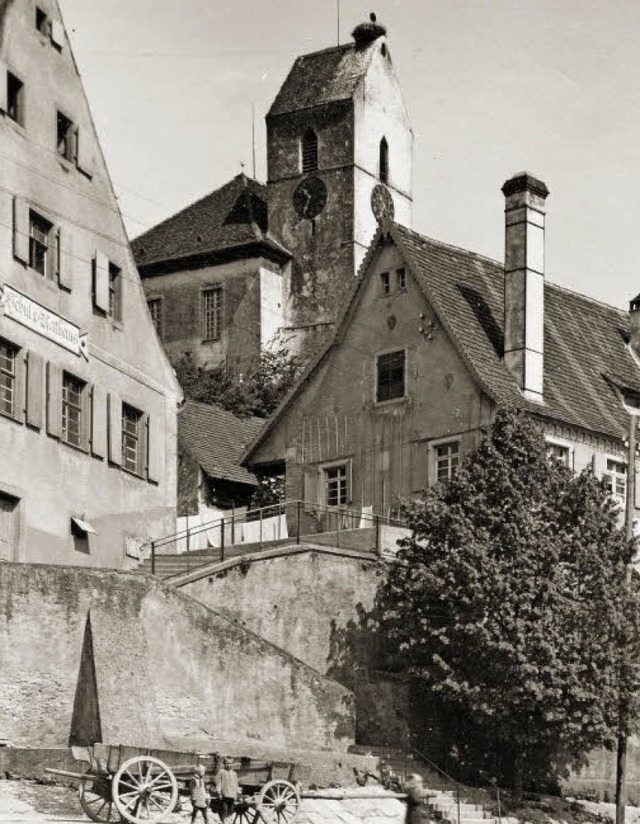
{"x":322,"y":77}
{"x":235,"y":215}
{"x":586,"y":352}
{"x":216,"y":439}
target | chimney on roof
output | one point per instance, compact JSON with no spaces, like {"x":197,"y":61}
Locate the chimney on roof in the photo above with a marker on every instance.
{"x":634,"y":325}
{"x":524,"y":281}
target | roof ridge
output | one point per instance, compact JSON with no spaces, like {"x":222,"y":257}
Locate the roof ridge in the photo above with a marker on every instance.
{"x":586,"y":298}
{"x":340,"y":47}
{"x":234,"y":179}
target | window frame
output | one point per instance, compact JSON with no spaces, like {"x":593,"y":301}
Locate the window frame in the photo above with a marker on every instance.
{"x":385,"y":284}
{"x":401,"y":279}
{"x":15,"y":99}
{"x":12,"y":376}
{"x":378,"y":356}
{"x":309,"y":153}
{"x":115,"y":277}
{"x":82,"y":408}
{"x":48,"y":232}
{"x":139,"y":436}
{"x":561,"y":443}
{"x":610,"y":478}
{"x":205,"y":290}
{"x":159,"y":327}
{"x":70,"y":152}
{"x":383,"y":161}
{"x":335,"y":466}
{"x":434,"y":458}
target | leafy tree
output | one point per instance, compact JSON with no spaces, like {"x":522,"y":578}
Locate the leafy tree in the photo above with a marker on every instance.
{"x":255,"y":391}
{"x":509,"y":606}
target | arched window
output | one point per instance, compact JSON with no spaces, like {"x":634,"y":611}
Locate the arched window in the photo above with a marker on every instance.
{"x":309,"y":151}
{"x":384,"y":160}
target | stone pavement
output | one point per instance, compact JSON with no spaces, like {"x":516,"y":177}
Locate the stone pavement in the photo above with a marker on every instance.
{"x":25,"y":802}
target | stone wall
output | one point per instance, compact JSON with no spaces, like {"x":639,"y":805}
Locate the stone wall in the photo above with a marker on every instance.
{"x":100,"y":655}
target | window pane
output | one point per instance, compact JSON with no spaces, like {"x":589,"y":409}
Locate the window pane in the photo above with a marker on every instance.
{"x":39,"y":233}
{"x":390,"y":376}
{"x":131,"y":452}
{"x":212,"y":313}
{"x":115,"y":292}
{"x":72,"y":412}
{"x":336,"y":485}
{"x":447,"y":460}
{"x":7,"y":378}
{"x":155,"y":310}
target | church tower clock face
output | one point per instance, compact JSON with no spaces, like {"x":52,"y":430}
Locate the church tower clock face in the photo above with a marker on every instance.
{"x":310,"y":198}
{"x":382,"y":203}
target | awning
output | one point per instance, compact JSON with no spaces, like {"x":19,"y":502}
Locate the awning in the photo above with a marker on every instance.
{"x":83,"y":526}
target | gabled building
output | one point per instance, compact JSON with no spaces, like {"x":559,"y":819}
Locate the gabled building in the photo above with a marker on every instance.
{"x":88,"y":400}
{"x":224,"y":275}
{"x":432,"y":339}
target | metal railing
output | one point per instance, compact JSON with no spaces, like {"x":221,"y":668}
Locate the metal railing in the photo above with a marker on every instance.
{"x":289,"y":521}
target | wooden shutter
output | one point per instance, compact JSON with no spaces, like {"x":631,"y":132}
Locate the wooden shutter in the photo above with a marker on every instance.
{"x":114,"y":429}
{"x":313,"y":493}
{"x":599,"y":465}
{"x":420,"y":469}
{"x":54,"y":400}
{"x":35,"y":389}
{"x":83,"y":147}
{"x":155,"y":448}
{"x":21,"y":229}
{"x":65,"y":258}
{"x":101,"y":281}
{"x":57,"y":33}
{"x":3,"y":86}
{"x":98,"y":421}
{"x":20,"y":386}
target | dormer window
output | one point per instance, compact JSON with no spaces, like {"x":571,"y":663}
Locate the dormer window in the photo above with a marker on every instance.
{"x":309,"y":151}
{"x":384,"y":161}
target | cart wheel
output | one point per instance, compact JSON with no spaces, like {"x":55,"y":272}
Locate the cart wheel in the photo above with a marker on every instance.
{"x":244,"y":813}
{"x":144,"y":789}
{"x":96,"y":798}
{"x":278,"y":802}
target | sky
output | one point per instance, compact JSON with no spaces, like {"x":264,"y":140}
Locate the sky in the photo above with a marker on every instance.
{"x":492,"y":87}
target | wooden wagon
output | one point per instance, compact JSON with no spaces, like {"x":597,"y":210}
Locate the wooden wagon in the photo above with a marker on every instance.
{"x":143,"y":788}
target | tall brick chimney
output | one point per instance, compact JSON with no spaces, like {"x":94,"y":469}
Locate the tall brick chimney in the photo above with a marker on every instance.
{"x":524,"y":281}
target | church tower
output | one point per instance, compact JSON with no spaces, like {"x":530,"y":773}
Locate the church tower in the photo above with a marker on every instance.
{"x":339,"y":158}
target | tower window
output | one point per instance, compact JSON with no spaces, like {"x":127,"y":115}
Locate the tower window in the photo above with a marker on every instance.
{"x":384,"y":160}
{"x":309,"y":151}
{"x":66,"y":137}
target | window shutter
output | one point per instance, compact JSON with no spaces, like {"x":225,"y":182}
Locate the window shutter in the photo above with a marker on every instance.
{"x":54,"y":400}
{"x":115,"y":429}
{"x":3,"y":86}
{"x":98,"y":421}
{"x":349,"y":481}
{"x":101,"y":281}
{"x":420,"y":468}
{"x":57,"y":33}
{"x":312,"y":489}
{"x":637,"y":501}
{"x":83,"y":146}
{"x":599,"y":465}
{"x":65,"y":258}
{"x":21,"y":229}
{"x":53,"y":255}
{"x":20,"y":386}
{"x":155,"y":448}
{"x":86,"y":420}
{"x":35,"y":387}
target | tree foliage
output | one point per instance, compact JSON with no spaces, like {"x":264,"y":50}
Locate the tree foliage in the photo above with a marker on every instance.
{"x":255,"y":391}
{"x":509,"y":605}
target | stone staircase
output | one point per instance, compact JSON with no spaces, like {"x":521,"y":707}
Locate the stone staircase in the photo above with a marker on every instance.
{"x":442,"y":792}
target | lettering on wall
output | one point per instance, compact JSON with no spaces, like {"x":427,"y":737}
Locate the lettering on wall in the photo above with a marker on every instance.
{"x":39,"y":319}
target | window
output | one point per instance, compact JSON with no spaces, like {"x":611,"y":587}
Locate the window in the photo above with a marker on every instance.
{"x":336,"y":485}
{"x":73,"y":424}
{"x":155,"y":310}
{"x":115,"y":292}
{"x":309,"y":152}
{"x":447,"y":456}
{"x":132,"y":432}
{"x":15,"y":98}
{"x":559,"y":452}
{"x":41,"y":21}
{"x":390,"y":383}
{"x":211,"y":313}
{"x":385,"y":283}
{"x":401,"y":280}
{"x":384,"y":161}
{"x":616,"y":478}
{"x":40,"y":245}
{"x":66,"y":138}
{"x":7,"y":378}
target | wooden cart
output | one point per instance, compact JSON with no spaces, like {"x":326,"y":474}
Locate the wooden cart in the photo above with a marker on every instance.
{"x":143,"y":789}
